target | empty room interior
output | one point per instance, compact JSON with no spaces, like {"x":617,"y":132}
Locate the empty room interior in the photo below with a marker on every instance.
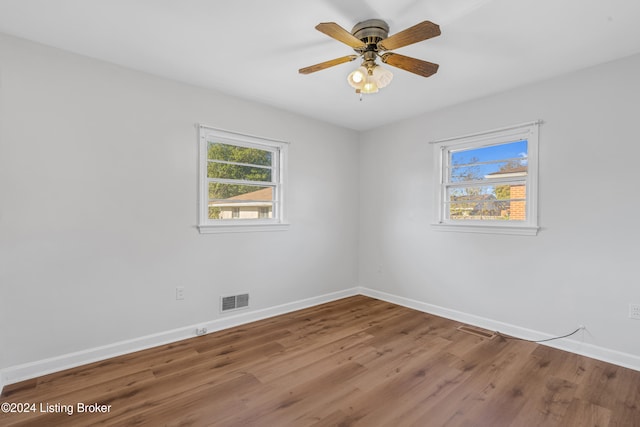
{"x":319,"y":213}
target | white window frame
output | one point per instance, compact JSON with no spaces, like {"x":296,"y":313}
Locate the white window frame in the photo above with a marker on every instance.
{"x":442,"y":150}
{"x":279,"y":149}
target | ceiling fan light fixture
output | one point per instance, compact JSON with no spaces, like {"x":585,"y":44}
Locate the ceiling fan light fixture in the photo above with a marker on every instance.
{"x":356,"y":78}
{"x":369,"y":87}
{"x":382,"y":76}
{"x":369,"y":79}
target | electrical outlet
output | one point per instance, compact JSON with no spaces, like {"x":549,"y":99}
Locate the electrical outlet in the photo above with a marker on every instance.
{"x":634,"y":311}
{"x":201,"y":331}
{"x":179,"y":293}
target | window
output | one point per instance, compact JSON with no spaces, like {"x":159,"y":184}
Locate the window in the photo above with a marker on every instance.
{"x":487,"y":182}
{"x":241,"y":182}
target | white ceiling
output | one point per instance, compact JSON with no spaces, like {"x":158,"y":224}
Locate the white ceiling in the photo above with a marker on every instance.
{"x":253,"y":48}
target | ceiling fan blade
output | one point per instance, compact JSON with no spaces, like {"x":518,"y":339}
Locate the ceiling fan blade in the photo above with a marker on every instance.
{"x":327,"y":64}
{"x":335,"y":31}
{"x":412,"y":65}
{"x":419,"y":32}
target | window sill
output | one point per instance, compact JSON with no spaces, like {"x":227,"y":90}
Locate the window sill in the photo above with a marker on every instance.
{"x":523,"y":230}
{"x":241,"y":228}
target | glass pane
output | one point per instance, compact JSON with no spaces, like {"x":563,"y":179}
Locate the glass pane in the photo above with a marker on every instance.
{"x":233,"y":153}
{"x":247,"y":173}
{"x":473,"y":193}
{"x":241,"y":212}
{"x":230,"y":201}
{"x":486,"y":171}
{"x":486,"y":163}
{"x":501,"y":202}
{"x":239,"y":192}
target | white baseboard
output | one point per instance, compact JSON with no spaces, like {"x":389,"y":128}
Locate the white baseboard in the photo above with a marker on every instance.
{"x":38,"y":368}
{"x":571,"y":345}
{"x":71,"y":360}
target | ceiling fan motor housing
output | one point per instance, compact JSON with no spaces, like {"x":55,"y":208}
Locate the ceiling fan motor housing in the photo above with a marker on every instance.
{"x":370,"y":32}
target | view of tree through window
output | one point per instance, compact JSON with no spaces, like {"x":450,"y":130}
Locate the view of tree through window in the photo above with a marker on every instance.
{"x":488,"y":182}
{"x":241,"y":181}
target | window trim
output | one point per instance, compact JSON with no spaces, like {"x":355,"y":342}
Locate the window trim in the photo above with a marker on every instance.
{"x":280,"y":150}
{"x":442,"y":147}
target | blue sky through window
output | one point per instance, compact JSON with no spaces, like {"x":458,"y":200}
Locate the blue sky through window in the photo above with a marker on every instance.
{"x":477,"y":163}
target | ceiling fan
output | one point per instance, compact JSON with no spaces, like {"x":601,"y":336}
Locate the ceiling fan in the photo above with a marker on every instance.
{"x":370,"y":40}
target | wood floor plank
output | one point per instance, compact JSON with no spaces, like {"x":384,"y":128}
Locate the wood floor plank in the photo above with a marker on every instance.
{"x":84,"y":393}
{"x":626,"y":409}
{"x":398,"y":400}
{"x":533,"y":390}
{"x":385,"y":364}
{"x":289,"y":366}
{"x":94,"y":374}
{"x":583,"y":413}
{"x":228,"y":356}
{"x":296,"y":401}
{"x":198,"y":406}
{"x":547,"y":409}
{"x":357,"y":361}
{"x":490,"y":366}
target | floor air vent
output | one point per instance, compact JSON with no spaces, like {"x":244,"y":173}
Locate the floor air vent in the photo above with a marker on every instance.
{"x":483,"y":333}
{"x":234,"y":302}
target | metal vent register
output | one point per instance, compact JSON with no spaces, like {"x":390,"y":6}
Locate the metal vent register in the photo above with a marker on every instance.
{"x":473,"y":330}
{"x":234,"y":302}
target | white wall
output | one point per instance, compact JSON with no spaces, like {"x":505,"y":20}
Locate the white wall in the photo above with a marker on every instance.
{"x":580,"y":269}
{"x":98,"y":208}
{"x":98,"y":187}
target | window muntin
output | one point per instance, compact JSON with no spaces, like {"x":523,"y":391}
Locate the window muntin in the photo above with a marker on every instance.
{"x":241,"y":182}
{"x":488,"y":181}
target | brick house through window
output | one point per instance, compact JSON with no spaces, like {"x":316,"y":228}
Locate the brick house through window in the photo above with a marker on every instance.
{"x":517,"y":209}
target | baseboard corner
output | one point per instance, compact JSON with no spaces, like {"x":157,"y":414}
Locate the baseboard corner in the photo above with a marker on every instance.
{"x":604,"y":354}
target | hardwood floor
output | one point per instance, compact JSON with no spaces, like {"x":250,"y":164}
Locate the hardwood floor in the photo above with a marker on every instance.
{"x":352,"y":362}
